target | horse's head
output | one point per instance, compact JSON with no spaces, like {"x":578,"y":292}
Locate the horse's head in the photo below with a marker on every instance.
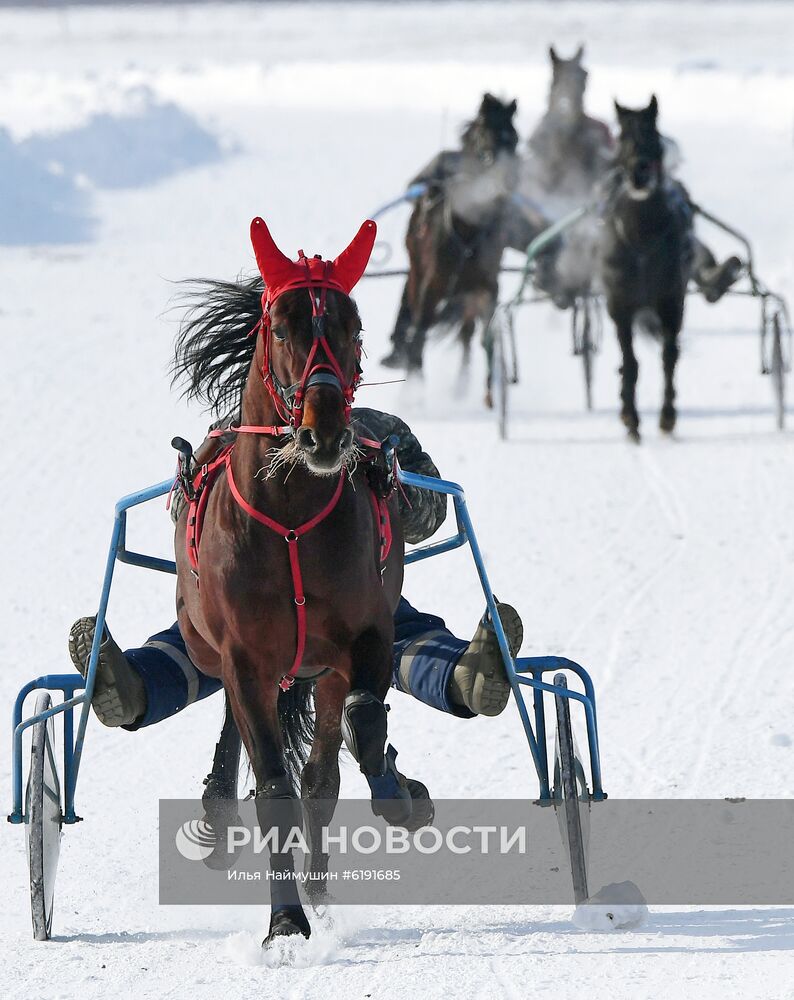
{"x":640,"y":149}
{"x":492,"y":132}
{"x":311,"y":345}
{"x":568,"y":83}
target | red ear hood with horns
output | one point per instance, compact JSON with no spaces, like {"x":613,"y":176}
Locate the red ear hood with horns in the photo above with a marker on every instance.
{"x":281,"y":274}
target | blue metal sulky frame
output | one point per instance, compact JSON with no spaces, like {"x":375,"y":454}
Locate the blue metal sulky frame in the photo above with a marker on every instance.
{"x":70,"y":683}
{"x":523,"y":672}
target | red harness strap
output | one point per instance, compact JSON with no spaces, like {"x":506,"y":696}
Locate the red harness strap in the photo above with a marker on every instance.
{"x":291,"y":537}
{"x":383,"y":521}
{"x":196,"y":507}
{"x":272,"y":430}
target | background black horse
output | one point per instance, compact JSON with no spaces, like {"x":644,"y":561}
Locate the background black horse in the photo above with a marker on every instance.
{"x":457,"y":234}
{"x":569,"y":154}
{"x":647,"y":252}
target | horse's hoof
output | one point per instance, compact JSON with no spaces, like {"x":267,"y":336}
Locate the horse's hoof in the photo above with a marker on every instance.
{"x":219,"y":805}
{"x":397,"y":811}
{"x":423,"y":810}
{"x":222,"y":859}
{"x":287,"y":922}
{"x":488,"y":400}
{"x":394,"y":359}
{"x":633,"y":435}
{"x":667,"y":421}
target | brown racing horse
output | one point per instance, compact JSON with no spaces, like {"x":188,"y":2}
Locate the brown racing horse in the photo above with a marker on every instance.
{"x":456,"y":236}
{"x":287,"y":580}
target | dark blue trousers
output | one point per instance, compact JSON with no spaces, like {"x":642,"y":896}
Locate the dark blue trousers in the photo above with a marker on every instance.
{"x":425,"y":655}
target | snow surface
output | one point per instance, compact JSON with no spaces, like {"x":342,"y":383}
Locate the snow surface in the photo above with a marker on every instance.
{"x":131,"y":139}
{"x":147,"y":141}
{"x":666,"y":569}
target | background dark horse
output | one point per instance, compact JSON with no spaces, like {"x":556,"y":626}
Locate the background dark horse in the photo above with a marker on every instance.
{"x":567,"y":155}
{"x":457,"y":234}
{"x":646,"y":255}
{"x":568,"y":151}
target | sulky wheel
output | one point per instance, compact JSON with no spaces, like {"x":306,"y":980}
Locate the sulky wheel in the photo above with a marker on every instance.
{"x":500,"y":379}
{"x":584,"y":342}
{"x":570,"y":795}
{"x":43,"y":820}
{"x":588,"y":350}
{"x":777,"y":370}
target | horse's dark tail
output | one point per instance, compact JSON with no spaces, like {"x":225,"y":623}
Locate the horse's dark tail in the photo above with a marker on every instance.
{"x":214,"y":347}
{"x":296,"y":715}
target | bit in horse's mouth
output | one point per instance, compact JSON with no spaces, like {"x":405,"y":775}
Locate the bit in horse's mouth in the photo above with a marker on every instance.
{"x":290,"y":455}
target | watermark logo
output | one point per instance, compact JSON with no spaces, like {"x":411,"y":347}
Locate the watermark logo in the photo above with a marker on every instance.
{"x":195,"y":840}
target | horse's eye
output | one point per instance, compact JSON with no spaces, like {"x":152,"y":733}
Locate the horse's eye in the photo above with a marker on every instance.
{"x":280,"y":333}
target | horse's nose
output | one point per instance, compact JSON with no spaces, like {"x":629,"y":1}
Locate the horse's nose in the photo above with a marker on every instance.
{"x":309,"y":440}
{"x":345,"y":439}
{"x":642,"y":173}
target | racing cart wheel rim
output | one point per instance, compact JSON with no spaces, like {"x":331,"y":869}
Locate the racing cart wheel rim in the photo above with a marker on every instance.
{"x":43,"y":820}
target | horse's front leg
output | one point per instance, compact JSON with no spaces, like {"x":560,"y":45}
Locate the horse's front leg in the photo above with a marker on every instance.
{"x":220,"y":792}
{"x":364,"y":726}
{"x":629,"y":371}
{"x":253,"y":692}
{"x":402,"y":326}
{"x":671,"y":317}
{"x":320,"y":777}
{"x":423,"y":314}
{"x":221,"y":782}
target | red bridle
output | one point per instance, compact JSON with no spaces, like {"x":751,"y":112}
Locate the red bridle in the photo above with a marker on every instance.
{"x":289,"y":400}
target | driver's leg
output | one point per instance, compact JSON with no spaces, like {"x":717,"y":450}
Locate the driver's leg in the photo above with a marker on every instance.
{"x":139,"y":687}
{"x":455,"y":676}
{"x":713,"y":279}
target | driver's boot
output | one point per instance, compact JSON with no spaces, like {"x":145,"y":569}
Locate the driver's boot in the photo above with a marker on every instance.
{"x":715,"y":281}
{"x":119,"y":694}
{"x":479,"y":681}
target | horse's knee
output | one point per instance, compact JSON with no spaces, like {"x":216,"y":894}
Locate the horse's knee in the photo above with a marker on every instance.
{"x":670,"y":353}
{"x":629,"y":369}
{"x":320,"y":779}
{"x":279,"y":787}
{"x":277,"y":805}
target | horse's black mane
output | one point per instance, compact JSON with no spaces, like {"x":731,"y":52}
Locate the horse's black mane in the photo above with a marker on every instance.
{"x":214,"y":346}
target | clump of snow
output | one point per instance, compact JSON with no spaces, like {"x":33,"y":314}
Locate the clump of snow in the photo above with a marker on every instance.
{"x":38,"y":204}
{"x":143,"y":143}
{"x":331,"y":929}
{"x":618,"y":906}
{"x":780,"y":740}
